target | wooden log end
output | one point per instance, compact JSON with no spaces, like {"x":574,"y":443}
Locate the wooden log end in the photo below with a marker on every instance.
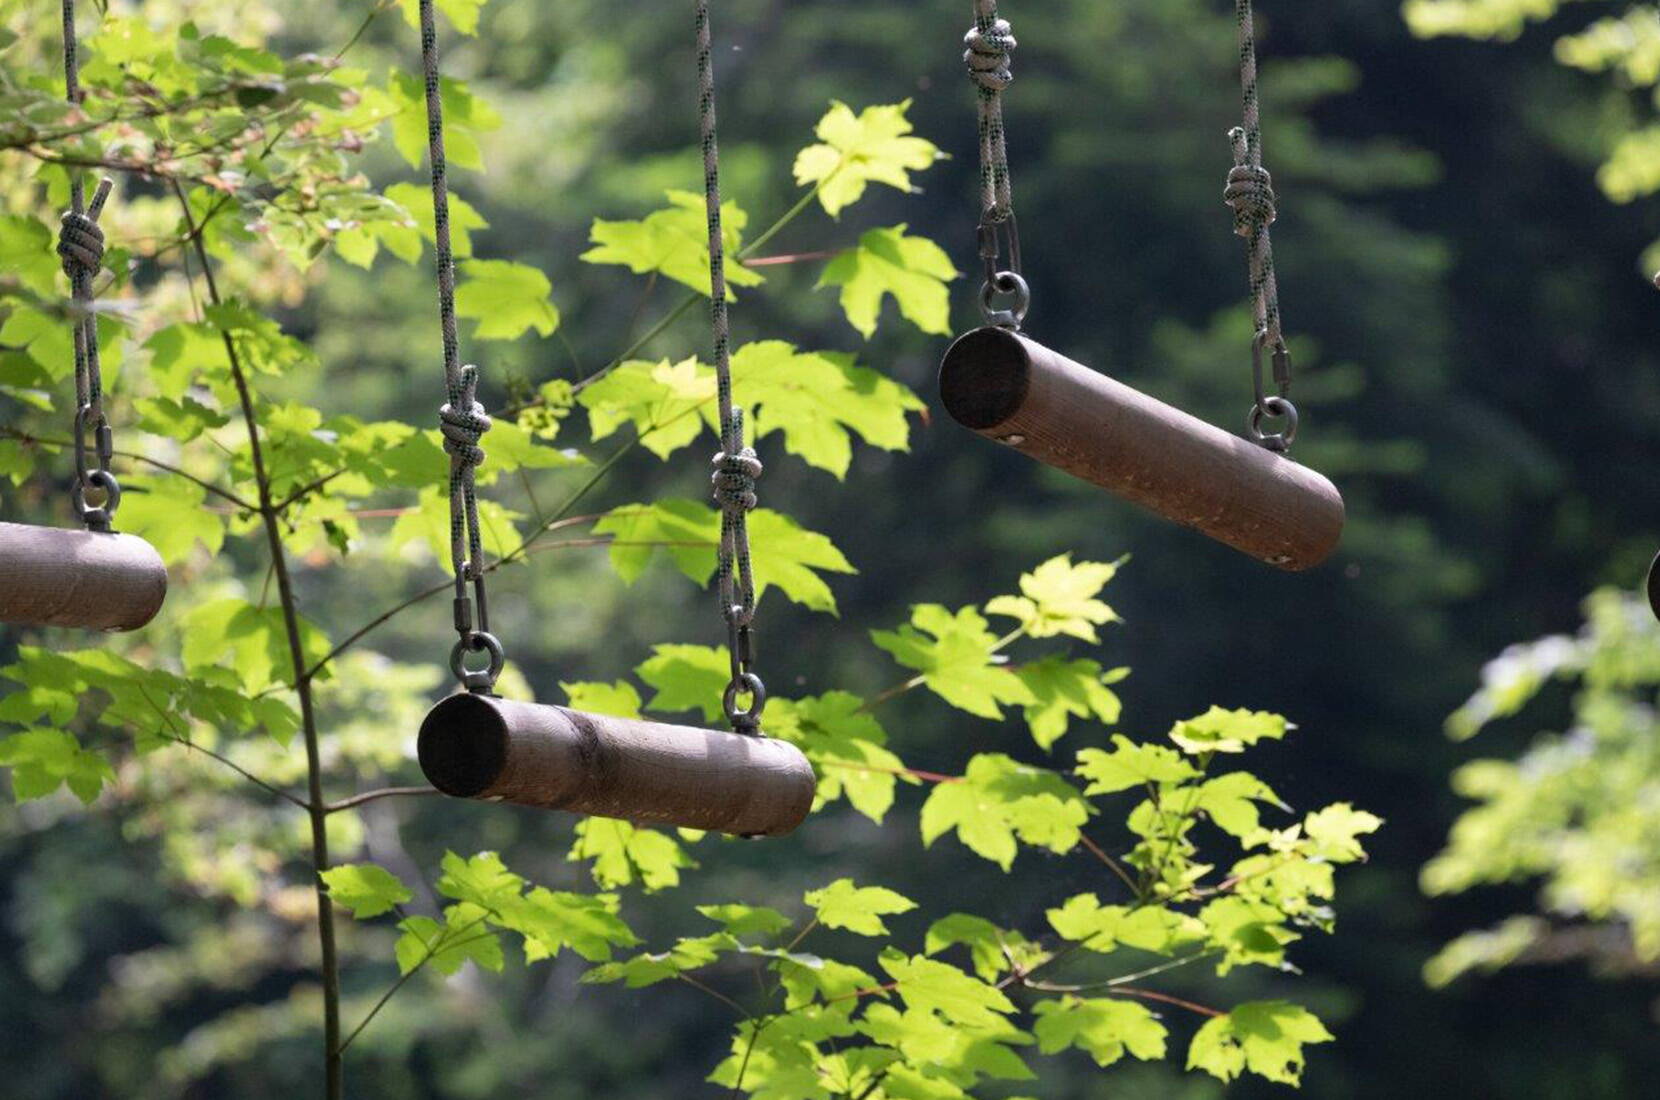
{"x":1009,"y":388}
{"x":90,"y":580}
{"x":984,"y":378}
{"x":484,"y":747}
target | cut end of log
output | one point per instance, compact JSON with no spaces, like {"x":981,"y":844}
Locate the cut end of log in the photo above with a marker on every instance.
{"x":984,"y":378}
{"x":462,"y":746}
{"x":91,"y":580}
{"x":555,"y":758}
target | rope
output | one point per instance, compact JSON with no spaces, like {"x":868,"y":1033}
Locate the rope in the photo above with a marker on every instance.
{"x":989,"y":43}
{"x":81,"y":248}
{"x":1250,"y":193}
{"x":736,"y":466}
{"x":461,"y":419}
{"x":1250,"y":189}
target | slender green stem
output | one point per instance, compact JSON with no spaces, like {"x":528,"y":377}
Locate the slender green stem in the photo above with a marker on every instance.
{"x":316,"y":807}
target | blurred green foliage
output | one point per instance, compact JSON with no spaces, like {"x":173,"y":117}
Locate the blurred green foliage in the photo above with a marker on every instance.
{"x":1475,"y":367}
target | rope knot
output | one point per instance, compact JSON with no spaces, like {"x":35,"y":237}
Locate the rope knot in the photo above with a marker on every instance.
{"x":463,"y":424}
{"x":80,"y":244}
{"x":734,"y":481}
{"x":987,"y":56}
{"x":1250,"y":192}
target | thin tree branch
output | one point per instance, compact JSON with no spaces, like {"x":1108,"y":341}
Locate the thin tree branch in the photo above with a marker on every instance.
{"x":64,"y":444}
{"x":371,"y":796}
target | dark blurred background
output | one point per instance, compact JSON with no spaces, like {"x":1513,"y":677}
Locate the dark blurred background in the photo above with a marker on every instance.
{"x":1473,"y":337}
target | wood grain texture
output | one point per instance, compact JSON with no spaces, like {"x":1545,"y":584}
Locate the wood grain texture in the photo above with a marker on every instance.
{"x":96,"y":581}
{"x":479,"y":746}
{"x":1012,"y":389}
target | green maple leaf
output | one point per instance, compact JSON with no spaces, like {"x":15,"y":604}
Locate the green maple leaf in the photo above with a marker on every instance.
{"x":999,"y":801}
{"x":744,"y":920}
{"x":957,"y":658}
{"x":687,"y":677}
{"x":912,"y":269}
{"x":429,"y":522}
{"x":367,"y":889}
{"x":1130,"y":764}
{"x":1230,"y":801}
{"x":674,"y":242}
{"x":1059,"y":597}
{"x":846,"y":747}
{"x":252,"y":641}
{"x":1106,"y":1028}
{"x":815,"y":399}
{"x":483,"y":880}
{"x":619,"y":698}
{"x":172,"y":515}
{"x":444,"y":947}
{"x":688,"y":953}
{"x":926,"y":984}
{"x":624,"y":854}
{"x":1103,"y":928}
{"x":42,"y":760}
{"x":507,"y":299}
{"x":1222,"y":730}
{"x":465,"y":116}
{"x":784,"y":554}
{"x":551,"y":921}
{"x":1264,"y":1037}
{"x":1064,"y":689}
{"x":660,"y":399}
{"x":511,"y":447}
{"x":687,"y":532}
{"x":1334,"y":832}
{"x":989,"y":946}
{"x":26,"y":252}
{"x":874,"y":146}
{"x":1249,"y":932}
{"x":858,"y":909}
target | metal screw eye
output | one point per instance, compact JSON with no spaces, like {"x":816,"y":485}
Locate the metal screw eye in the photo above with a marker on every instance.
{"x":1275,"y":407}
{"x":481,"y":680}
{"x":745,"y":720}
{"x":1009,"y":283}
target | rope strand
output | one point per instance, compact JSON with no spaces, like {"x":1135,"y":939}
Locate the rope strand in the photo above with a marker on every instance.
{"x":989,"y":43}
{"x":81,"y":248}
{"x":462,"y":418}
{"x":736,"y":465}
{"x":1250,"y":194}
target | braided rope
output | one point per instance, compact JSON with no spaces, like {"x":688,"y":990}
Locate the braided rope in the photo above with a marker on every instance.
{"x":81,"y":249}
{"x":462,"y":419}
{"x":1250,"y":188}
{"x":989,"y":43}
{"x":736,"y":465}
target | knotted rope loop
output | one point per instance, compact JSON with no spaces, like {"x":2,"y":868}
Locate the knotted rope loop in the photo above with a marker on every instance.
{"x":1250,"y":193}
{"x":989,"y":43}
{"x":80,"y":244}
{"x":463,"y":427}
{"x":987,"y":55}
{"x":734,"y":480}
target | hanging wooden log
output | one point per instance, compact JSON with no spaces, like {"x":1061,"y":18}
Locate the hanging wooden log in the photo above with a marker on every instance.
{"x":481,"y":746}
{"x":89,"y":579}
{"x":1016,"y":391}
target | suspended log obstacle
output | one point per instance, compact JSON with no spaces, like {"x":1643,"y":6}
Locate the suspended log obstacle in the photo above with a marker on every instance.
{"x":96,"y":580}
{"x":485,"y":747}
{"x":1014,"y":390}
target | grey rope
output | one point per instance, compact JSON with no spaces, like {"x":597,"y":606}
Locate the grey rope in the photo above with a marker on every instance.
{"x":81,"y":248}
{"x":462,"y":419}
{"x":736,"y":466}
{"x":989,"y":42}
{"x":1250,"y":193}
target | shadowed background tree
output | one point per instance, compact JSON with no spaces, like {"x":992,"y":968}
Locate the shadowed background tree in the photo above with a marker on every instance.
{"x":1470,"y":331}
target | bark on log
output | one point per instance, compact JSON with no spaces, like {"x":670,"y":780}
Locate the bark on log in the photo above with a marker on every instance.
{"x":481,"y":746}
{"x":95,"y":580}
{"x":1014,"y":390}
